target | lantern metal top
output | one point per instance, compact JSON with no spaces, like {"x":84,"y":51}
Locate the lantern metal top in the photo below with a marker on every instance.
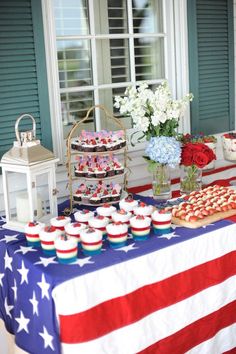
{"x":26,"y":150}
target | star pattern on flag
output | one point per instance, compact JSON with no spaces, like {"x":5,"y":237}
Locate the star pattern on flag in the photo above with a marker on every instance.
{"x":82,"y":261}
{"x":1,"y":277}
{"x":25,"y":250}
{"x":2,"y":219}
{"x":174,"y":226}
{"x":128,"y":248}
{"x":29,"y":280}
{"x":46,"y":261}
{"x":205,"y":226}
{"x":23,"y":323}
{"x":47,"y":338}
{"x":10,"y":238}
{"x":8,"y":308}
{"x":8,"y":261}
{"x":14,"y":288}
{"x":169,"y":236}
{"x":23,"y":272}
{"x":44,"y":286}
{"x":34,"y":303}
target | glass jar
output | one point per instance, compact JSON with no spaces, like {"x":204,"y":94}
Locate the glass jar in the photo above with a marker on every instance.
{"x":161,"y":184}
{"x":190,"y":179}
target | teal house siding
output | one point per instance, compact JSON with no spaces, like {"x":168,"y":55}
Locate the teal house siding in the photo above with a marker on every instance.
{"x":211,"y":65}
{"x":23,"y":79}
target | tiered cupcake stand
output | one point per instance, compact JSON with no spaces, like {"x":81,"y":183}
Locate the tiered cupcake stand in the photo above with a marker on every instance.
{"x":72,"y":154}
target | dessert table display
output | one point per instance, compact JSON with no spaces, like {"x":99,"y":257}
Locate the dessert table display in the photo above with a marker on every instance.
{"x":174,"y":292}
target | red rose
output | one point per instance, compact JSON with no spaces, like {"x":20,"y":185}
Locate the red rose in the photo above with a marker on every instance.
{"x":186,"y":157}
{"x":210,"y":154}
{"x":200,"y":159}
{"x":194,"y":147}
{"x":196,"y":154}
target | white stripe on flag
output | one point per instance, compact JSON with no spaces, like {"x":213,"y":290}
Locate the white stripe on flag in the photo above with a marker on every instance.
{"x":222,"y":342}
{"x":126,"y":277}
{"x":160,"y":324}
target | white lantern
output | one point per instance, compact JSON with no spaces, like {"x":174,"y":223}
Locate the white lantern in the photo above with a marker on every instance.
{"x":29,"y":180}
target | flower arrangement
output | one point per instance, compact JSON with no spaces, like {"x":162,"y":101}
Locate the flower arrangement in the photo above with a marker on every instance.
{"x":154,"y":113}
{"x":194,"y":156}
{"x":162,"y":152}
{"x":198,"y":138}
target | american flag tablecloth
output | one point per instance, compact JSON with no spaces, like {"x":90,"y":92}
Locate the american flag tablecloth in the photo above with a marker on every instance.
{"x":174,"y":293}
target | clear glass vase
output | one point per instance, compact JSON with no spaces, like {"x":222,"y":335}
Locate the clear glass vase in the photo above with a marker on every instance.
{"x":161,"y":185}
{"x":190,"y":179}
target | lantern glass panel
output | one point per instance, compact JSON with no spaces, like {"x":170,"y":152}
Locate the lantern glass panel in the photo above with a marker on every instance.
{"x":18,"y":201}
{"x":43,"y":186}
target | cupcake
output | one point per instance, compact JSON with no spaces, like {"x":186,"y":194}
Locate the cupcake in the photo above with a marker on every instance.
{"x":105,"y":197}
{"x":128,"y":204}
{"x":32,"y":230}
{"x":91,"y":241}
{"x":99,"y":222}
{"x":101,"y":144}
{"x":161,"y":222}
{"x":117,"y":233}
{"x":73,"y":229}
{"x":91,"y":173}
{"x":100,"y":172}
{"x":143,"y":209}
{"x":86,"y":196}
{"x":89,"y":145}
{"x":59,"y":222}
{"x":76,"y":144}
{"x":66,"y":249}
{"x":47,"y":237}
{"x":106,"y":210}
{"x":115,"y":191}
{"x":77,"y":196}
{"x":109,"y":171}
{"x":140,"y":227}
{"x":118,"y":168}
{"x":121,"y":216}
{"x":80,"y":171}
{"x":83,"y":216}
{"x":95,"y":199}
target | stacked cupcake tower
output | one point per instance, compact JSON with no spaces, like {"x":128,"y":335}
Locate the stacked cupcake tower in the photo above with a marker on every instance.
{"x":96,"y":163}
{"x":65,"y":238}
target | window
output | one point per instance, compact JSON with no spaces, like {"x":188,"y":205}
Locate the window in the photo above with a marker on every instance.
{"x":100,"y":48}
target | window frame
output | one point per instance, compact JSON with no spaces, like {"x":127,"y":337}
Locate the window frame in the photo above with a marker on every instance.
{"x":175,"y":59}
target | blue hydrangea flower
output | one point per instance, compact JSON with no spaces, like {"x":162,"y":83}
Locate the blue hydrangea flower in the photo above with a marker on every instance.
{"x":164,"y":150}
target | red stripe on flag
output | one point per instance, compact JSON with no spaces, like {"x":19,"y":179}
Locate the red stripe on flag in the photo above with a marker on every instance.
{"x":195,"y":333}
{"x":87,"y":325}
{"x":231,"y":351}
